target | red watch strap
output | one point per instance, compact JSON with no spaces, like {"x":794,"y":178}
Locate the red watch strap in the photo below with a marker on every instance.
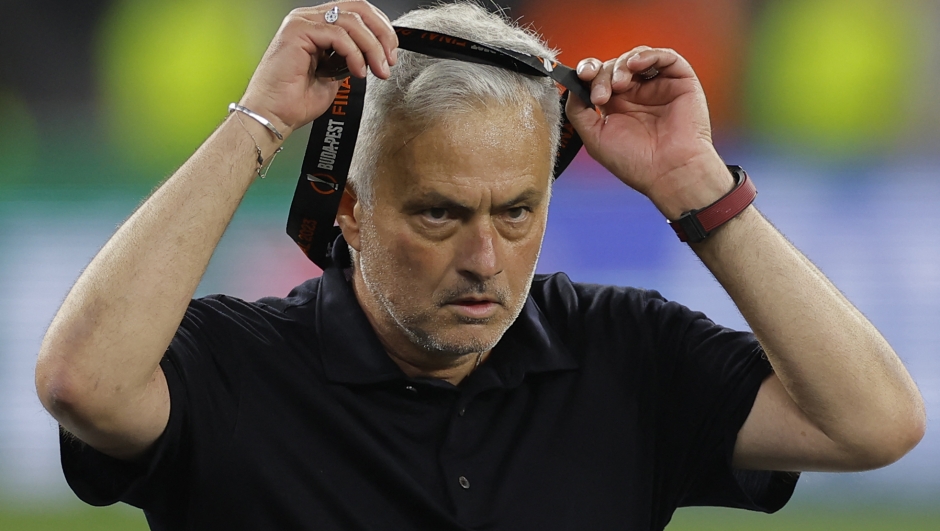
{"x":695,"y":225}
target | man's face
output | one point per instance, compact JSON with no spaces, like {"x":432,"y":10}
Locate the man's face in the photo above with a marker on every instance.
{"x":448,"y":250}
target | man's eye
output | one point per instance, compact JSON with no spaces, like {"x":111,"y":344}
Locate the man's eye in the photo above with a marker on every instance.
{"x":437,"y":214}
{"x":517,"y":213}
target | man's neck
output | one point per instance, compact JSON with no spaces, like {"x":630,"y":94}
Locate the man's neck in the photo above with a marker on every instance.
{"x":453,"y":374}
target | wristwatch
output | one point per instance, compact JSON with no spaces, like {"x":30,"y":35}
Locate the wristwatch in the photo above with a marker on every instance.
{"x":695,"y":225}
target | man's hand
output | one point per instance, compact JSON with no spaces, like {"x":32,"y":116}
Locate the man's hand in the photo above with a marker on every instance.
{"x":284,"y":90}
{"x":654,"y":135}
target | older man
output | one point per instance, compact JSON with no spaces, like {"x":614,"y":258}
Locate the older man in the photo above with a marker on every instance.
{"x":428,"y":380}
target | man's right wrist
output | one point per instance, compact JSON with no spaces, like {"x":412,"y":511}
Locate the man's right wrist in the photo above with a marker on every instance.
{"x":257,"y":139}
{"x":261,"y":119}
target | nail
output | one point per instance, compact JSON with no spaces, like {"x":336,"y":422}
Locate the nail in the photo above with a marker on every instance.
{"x":618,"y":76}
{"x":395,"y":56}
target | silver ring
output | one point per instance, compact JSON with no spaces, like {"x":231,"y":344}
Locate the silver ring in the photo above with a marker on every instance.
{"x":332,"y":15}
{"x":649,"y":73}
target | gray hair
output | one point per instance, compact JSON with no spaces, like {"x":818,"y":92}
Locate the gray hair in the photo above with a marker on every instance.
{"x":424,"y":90}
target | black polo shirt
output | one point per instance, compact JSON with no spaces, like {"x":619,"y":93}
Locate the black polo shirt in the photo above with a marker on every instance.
{"x":600,"y":408}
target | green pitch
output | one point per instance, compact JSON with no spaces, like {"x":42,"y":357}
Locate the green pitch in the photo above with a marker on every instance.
{"x":72,"y":517}
{"x":809,"y":518}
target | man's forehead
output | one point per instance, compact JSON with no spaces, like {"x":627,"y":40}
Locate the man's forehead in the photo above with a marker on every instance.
{"x":499,"y":149}
{"x":489,"y":117}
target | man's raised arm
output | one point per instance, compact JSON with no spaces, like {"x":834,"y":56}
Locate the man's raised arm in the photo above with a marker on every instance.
{"x":98,"y":370}
{"x":839,"y":398}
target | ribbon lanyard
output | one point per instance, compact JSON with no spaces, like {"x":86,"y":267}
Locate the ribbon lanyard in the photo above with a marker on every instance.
{"x":333,"y":135}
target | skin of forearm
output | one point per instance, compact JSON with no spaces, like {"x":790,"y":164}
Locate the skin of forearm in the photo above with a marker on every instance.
{"x":834,"y":364}
{"x":103,"y":348}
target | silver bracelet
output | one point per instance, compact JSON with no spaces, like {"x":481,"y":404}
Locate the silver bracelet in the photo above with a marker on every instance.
{"x":232,"y":107}
{"x":260,"y":170}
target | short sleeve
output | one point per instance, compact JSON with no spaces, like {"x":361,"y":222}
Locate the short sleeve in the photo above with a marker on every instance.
{"x":148,"y":482}
{"x":202,"y":368}
{"x":707,"y":378}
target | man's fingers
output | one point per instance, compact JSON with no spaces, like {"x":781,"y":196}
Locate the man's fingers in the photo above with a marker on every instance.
{"x":602,"y":84}
{"x":367,"y":41}
{"x":608,"y":77}
{"x":328,"y":36}
{"x":381,"y":26}
{"x":390,"y":39}
{"x":368,"y":28}
{"x":622,"y":75}
{"x":666,"y":61}
{"x":639,"y":64}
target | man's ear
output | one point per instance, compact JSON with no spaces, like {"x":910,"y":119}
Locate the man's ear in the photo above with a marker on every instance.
{"x":349,"y":217}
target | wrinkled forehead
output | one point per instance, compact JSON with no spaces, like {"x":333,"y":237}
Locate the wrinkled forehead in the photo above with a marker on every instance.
{"x":524,"y":116}
{"x":489,"y":148}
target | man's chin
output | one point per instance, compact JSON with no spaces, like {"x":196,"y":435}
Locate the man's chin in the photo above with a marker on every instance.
{"x":461,"y":339}
{"x":464,"y":320}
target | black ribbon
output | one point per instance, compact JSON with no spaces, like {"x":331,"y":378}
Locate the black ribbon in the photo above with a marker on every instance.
{"x":333,"y":135}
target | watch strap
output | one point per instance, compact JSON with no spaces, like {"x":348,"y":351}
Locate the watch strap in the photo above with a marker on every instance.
{"x":695,"y":225}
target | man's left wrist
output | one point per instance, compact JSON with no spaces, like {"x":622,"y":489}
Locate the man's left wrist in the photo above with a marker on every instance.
{"x":695,"y":225}
{"x":699,"y":186}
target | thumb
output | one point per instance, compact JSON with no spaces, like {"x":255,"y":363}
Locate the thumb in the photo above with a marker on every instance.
{"x":584,"y":117}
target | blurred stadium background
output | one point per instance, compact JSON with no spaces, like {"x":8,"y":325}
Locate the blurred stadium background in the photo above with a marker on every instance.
{"x":829,"y":104}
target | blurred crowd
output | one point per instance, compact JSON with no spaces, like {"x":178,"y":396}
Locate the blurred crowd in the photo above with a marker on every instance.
{"x":146,"y":80}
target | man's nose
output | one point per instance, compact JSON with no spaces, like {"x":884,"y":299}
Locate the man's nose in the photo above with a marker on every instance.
{"x":479,"y":256}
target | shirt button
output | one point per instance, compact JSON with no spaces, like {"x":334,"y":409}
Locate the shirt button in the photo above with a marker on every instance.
{"x":462,"y":411}
{"x":464,"y":482}
{"x":412,"y":389}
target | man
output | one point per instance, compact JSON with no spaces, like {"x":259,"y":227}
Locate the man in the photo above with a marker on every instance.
{"x":427,"y":380}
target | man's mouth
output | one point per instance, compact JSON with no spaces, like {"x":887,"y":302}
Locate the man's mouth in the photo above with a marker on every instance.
{"x":474,"y":300}
{"x":475,"y":307}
